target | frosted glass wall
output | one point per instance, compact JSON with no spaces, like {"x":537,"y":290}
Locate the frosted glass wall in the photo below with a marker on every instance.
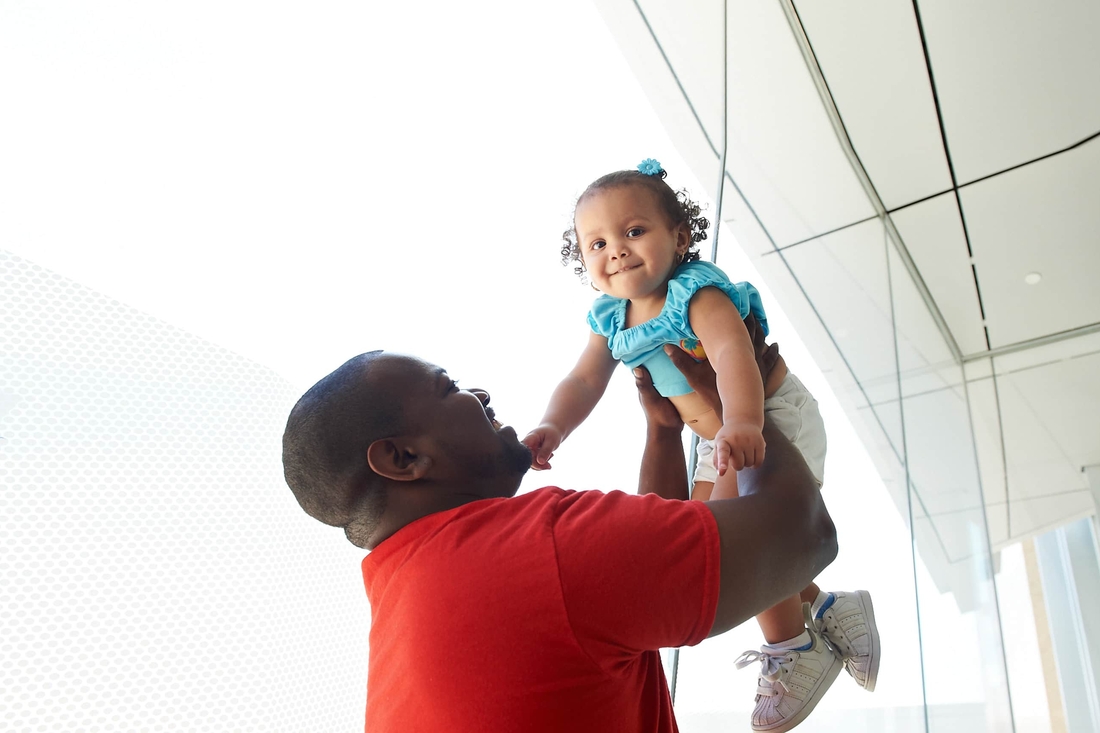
{"x":156,"y":572}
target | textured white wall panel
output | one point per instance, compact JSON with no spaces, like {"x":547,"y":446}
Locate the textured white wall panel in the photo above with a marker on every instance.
{"x":155,"y":571}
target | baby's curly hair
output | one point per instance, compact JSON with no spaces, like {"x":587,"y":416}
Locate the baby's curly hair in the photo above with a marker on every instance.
{"x":677,"y":207}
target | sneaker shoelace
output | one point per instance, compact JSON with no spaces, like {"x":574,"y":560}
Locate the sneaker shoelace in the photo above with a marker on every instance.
{"x":834,"y":635}
{"x":774,"y":668}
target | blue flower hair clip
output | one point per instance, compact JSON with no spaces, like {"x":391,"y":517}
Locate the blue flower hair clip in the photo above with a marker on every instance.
{"x":650,"y":167}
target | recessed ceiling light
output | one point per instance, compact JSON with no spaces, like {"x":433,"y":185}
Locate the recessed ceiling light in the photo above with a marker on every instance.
{"x":1033,"y":277}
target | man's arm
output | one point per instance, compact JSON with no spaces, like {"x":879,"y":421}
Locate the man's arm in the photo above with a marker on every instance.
{"x":664,"y":471}
{"x":777,"y":535}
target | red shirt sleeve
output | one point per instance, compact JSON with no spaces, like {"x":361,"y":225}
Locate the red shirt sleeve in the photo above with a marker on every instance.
{"x":638,"y":573}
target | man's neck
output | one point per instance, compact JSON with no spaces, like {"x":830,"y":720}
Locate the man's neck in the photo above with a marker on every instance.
{"x":416,"y":504}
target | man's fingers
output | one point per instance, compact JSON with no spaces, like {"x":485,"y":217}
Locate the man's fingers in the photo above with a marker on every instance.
{"x":679,"y":357}
{"x":755,"y":331}
{"x":770,"y":357}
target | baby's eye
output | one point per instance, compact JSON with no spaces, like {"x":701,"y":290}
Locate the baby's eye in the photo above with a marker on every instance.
{"x":598,"y":244}
{"x":635,"y":232}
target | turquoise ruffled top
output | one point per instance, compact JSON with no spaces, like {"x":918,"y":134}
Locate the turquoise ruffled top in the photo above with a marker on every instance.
{"x":643,"y":345}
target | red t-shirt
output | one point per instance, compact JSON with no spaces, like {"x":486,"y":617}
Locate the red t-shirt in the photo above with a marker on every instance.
{"x":541,"y":612}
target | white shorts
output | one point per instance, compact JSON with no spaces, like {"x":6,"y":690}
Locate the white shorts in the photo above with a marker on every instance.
{"x":793,"y":410}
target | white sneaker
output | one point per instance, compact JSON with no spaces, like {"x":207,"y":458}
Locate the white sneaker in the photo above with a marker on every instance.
{"x":791,"y":682}
{"x":849,"y":626}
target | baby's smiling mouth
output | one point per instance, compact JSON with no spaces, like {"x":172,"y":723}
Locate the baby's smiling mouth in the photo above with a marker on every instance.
{"x":628,"y":268}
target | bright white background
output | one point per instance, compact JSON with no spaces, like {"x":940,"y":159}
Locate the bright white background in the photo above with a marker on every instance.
{"x":303,"y":182}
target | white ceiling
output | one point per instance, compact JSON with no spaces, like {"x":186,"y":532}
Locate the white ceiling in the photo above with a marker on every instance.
{"x":975,"y":132}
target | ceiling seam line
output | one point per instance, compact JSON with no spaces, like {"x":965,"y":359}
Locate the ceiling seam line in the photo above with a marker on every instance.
{"x":910,"y":488}
{"x":826,"y":234}
{"x":1036,"y":342}
{"x":986,"y":177}
{"x":973,"y":380}
{"x":1075,"y":145}
{"x":802,"y":40}
{"x":725,"y":135}
{"x":1004,"y":449}
{"x":675,"y":77}
{"x":910,"y":485}
{"x":919,"y":201}
{"x":950,"y":160}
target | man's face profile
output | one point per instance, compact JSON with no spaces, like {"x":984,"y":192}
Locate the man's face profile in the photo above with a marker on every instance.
{"x":470,"y":445}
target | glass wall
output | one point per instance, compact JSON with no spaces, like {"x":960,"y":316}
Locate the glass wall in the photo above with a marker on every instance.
{"x":909,"y":513}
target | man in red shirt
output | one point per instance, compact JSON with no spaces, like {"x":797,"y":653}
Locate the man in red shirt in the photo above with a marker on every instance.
{"x":546,"y":611}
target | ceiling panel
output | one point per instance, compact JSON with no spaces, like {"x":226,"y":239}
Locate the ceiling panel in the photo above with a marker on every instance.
{"x":1035,"y":516}
{"x":985,"y":421}
{"x":697,"y":64}
{"x":783,"y":152}
{"x":1053,"y":404}
{"x":933,"y":235}
{"x":1041,"y":218}
{"x":1016,"y":79}
{"x":844,"y":275}
{"x":1036,"y":428}
{"x":870,"y":54}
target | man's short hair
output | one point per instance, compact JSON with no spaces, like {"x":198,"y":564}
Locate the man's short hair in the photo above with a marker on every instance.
{"x":325,"y":448}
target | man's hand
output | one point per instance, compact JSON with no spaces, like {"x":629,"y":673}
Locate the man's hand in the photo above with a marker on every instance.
{"x":542,"y":442}
{"x":663,"y":469}
{"x":700,"y":376}
{"x":659,"y":412}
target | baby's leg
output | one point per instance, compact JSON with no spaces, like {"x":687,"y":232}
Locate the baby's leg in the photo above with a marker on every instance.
{"x":782,"y":624}
{"x":798,"y":665}
{"x":701,"y":490}
{"x":705,"y":472}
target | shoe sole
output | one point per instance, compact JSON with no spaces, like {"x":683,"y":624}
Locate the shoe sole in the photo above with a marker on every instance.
{"x":872,"y":628}
{"x":828,"y":678}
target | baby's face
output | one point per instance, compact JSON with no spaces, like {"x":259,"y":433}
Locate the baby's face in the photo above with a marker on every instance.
{"x":627,"y":243}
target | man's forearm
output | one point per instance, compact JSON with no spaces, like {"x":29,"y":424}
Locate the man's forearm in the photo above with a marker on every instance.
{"x":776,"y":537}
{"x":664,"y":471}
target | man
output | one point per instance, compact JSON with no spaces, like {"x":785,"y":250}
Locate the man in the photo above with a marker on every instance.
{"x":542,"y":612}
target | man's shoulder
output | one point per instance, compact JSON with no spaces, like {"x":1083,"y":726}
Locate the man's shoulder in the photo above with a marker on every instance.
{"x":552,"y":504}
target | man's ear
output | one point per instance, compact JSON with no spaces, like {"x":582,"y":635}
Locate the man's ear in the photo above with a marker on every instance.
{"x":397,"y":459}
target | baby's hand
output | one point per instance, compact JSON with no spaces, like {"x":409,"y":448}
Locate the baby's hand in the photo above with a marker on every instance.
{"x":738,"y":445}
{"x":542,"y":441}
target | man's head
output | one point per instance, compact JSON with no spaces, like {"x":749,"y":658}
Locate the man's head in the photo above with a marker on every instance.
{"x":388,"y":438}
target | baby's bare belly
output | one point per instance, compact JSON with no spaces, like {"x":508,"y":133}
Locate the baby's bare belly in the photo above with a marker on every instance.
{"x":698,"y":415}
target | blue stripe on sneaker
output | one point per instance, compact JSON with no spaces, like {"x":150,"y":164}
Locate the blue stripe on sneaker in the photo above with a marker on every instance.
{"x":826,"y":606}
{"x":803,"y":648}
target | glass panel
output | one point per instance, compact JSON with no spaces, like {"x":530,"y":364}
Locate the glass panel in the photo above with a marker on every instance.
{"x":844,"y":276}
{"x":1030,"y":656}
{"x":155,"y":565}
{"x":1046,"y":399}
{"x":959,"y":620}
{"x":850,"y":289}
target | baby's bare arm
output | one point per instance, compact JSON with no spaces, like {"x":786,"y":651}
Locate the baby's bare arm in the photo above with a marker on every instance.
{"x":731,"y":353}
{"x":572,"y":400}
{"x":739,"y":442}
